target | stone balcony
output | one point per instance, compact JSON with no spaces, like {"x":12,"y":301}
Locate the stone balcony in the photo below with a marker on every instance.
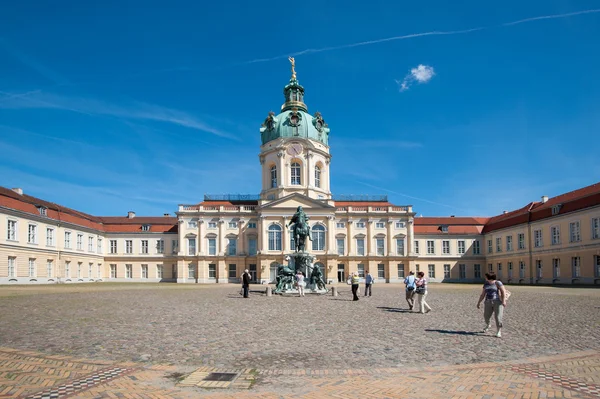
{"x":374,"y":209}
{"x":218,"y":208}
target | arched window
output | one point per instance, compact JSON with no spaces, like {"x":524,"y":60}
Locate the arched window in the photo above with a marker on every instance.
{"x":274,"y":237}
{"x":318,"y":176}
{"x":273,"y":176}
{"x":296,"y":174}
{"x":318,"y":237}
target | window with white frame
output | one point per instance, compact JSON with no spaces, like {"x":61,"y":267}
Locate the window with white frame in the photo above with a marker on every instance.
{"x":381,"y":271}
{"x":430,"y":247}
{"x":80,"y":242}
{"x":416,"y":245}
{"x":212,"y":246}
{"x":431,"y":270}
{"x":490,"y":247}
{"x":400,"y":246}
{"x":128,"y":271}
{"x":537,"y":238}
{"x":555,"y":234}
{"x":446,"y":271}
{"x":499,"y":244}
{"x":32,"y":234}
{"x":273,"y":176}
{"x":212,"y":225}
{"x":445,"y":247}
{"x":174,"y":246}
{"x":113,"y":246}
{"x":477,"y":270}
{"x":113,"y":271}
{"x":274,"y":237}
{"x":399,"y":225}
{"x":99,"y":245}
{"x":128,"y":246}
{"x":99,"y":271}
{"x":340,"y":243}
{"x":380,"y":225}
{"x":318,"y":237}
{"x":49,"y":269}
{"x":490,"y":267}
{"x":340,"y":225}
{"x":146,"y":227}
{"x":596,"y":266}
{"x":192,"y":224}
{"x":360,"y":246}
{"x":232,"y":224}
{"x":317,"y":176}
{"x":212,"y":270}
{"x":79,"y":270}
{"x":595,"y":228}
{"x":380,"y":246}
{"x":12,"y":267}
{"x":144,"y":271}
{"x":232,"y":246}
{"x":67,"y":240}
{"x":252,"y":243}
{"x":575,"y":231}
{"x":417,"y":268}
{"x":444,"y":228}
{"x":295,"y":168}
{"x":90,"y":244}
{"x":360,"y":225}
{"x":251,"y":225}
{"x":476,"y":247}
{"x":90,"y":267}
{"x":576,"y":266}
{"x":49,"y":237}
{"x":144,"y":246}
{"x":361,"y":270}
{"x":11,"y":233}
{"x":43,"y":210}
{"x":191,"y":245}
{"x":462,"y":271}
{"x":509,"y":243}
{"x":292,"y":241}
{"x":510,"y":270}
{"x":556,"y":267}
{"x":159,"y":271}
{"x":401,"y":273}
{"x":67,"y":269}
{"x":32,"y":270}
{"x":499,"y":265}
{"x":521,"y":269}
{"x":461,"y":247}
{"x":521,"y":240}
{"x":232,"y":273}
{"x":160,"y":246}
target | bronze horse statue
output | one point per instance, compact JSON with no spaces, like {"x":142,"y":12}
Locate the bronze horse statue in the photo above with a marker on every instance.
{"x":301,"y":230}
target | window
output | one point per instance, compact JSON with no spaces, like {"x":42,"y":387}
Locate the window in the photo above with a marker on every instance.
{"x":90,"y":266}
{"x":476,"y":247}
{"x":113,"y":246}
{"x":574,"y":230}
{"x":11,"y":233}
{"x":174,"y":246}
{"x":555,"y":235}
{"x":499,"y":265}
{"x":461,"y":247}
{"x":192,"y":224}
{"x":490,"y":267}
{"x":381,"y":271}
{"x":99,"y":245}
{"x":113,"y":271}
{"x":78,"y":269}
{"x":275,"y":237}
{"x":595,"y":228}
{"x":251,"y":246}
{"x":318,"y":237}
{"x":192,"y":246}
{"x":212,"y":225}
{"x":556,"y":268}
{"x":99,"y":270}
{"x":90,"y":244}
{"x":510,"y":270}
{"x":489,"y":246}
{"x":317,"y":176}
{"x":430,"y":247}
{"x":380,"y":245}
{"x":128,"y":271}
{"x":399,"y":225}
{"x":361,"y":270}
{"x":380,"y":225}
{"x":400,"y":246}
{"x":509,"y":243}
{"x":49,"y":237}
{"x":477,"y":271}
{"x":416,"y":244}
{"x":596,"y":266}
{"x":360,"y":246}
{"x":232,"y":270}
{"x":67,"y":269}
{"x":499,"y":244}
{"x":462,"y":271}
{"x":128,"y":246}
{"x":360,"y":225}
{"x":295,"y":174}
{"x":400,"y":270}
{"x":49,"y":269}
{"x":576,"y":266}
{"x":417,"y":268}
{"x":340,"y":246}
{"x":144,"y":246}
{"x":556,"y":209}
{"x":521,"y":269}
{"x":537,"y":238}
{"x":273,"y":176}
{"x":232,"y":246}
{"x":446,"y":247}
{"x":32,"y":270}
{"x":232,"y":224}
{"x":145,"y":227}
{"x":521,"y":239}
{"x":43,"y":210}
{"x":160,"y":246}
{"x":80,"y":242}
{"x":431,"y":270}
{"x":340,"y":225}
{"x":251,"y":225}
{"x":446,"y":271}
{"x":67,"y":240}
{"x":11,"y":266}
{"x":32,"y":234}
{"x":212,"y":270}
{"x":159,"y":271}
{"x":144,"y":271}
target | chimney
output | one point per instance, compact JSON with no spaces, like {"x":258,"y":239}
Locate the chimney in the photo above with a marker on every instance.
{"x":18,"y":190}
{"x":504,"y":212}
{"x":544,"y":199}
{"x":451,"y":216}
{"x":167,"y":214}
{"x":130,"y":215}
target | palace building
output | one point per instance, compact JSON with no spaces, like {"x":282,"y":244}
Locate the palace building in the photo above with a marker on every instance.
{"x":552,"y":241}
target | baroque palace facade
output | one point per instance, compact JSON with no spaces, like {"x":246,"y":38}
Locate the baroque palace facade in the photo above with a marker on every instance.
{"x":552,"y":241}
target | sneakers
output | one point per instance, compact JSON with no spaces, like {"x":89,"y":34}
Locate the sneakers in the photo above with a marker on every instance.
{"x":428,"y":310}
{"x":499,"y":334}
{"x":486,"y":328}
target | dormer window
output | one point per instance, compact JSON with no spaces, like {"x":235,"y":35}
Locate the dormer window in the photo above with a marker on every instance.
{"x":444,"y":228}
{"x":43,"y":210}
{"x":145,"y":227}
{"x":556,"y":209}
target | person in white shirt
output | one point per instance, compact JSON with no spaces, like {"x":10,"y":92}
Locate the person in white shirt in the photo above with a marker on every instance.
{"x":410,"y":290}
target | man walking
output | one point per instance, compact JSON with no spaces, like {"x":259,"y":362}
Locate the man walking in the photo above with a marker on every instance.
{"x":246,"y":282}
{"x":410,"y":289}
{"x":368,"y":283}
{"x":355,"y":280}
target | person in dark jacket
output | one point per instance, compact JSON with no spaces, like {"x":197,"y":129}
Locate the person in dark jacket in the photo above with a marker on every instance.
{"x":246,"y":282}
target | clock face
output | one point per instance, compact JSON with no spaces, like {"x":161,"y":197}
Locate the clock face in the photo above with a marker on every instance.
{"x":295,"y":149}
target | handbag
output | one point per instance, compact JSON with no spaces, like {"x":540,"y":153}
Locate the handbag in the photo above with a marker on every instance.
{"x":349,"y":281}
{"x":420,"y":290}
{"x":410,"y":288}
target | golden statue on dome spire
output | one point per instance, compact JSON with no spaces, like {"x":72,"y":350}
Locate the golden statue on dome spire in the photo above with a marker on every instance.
{"x":293,"y":62}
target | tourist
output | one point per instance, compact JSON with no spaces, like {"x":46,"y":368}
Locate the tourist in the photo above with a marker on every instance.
{"x":421,"y":291}
{"x":410,"y":290}
{"x":368,"y":283}
{"x":246,"y":282}
{"x":300,"y":282}
{"x":355,"y":280}
{"x":494,"y":294}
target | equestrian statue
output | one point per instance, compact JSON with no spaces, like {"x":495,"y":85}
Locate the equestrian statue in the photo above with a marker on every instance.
{"x":300,"y":229}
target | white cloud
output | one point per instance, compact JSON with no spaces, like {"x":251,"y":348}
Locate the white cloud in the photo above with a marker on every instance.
{"x":420,"y":74}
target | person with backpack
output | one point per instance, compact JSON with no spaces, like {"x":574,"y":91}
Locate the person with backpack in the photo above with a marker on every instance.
{"x":495,"y":296}
{"x":410,"y":290}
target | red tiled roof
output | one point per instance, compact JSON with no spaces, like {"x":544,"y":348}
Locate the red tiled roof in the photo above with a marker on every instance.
{"x":450,"y":221}
{"x":460,"y":229}
{"x":508,"y":219}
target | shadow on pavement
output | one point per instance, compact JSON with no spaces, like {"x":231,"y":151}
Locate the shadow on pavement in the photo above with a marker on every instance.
{"x":454,"y":332}
{"x":396,"y":310}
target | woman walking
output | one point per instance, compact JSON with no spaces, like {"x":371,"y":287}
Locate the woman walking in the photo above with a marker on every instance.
{"x":300,"y":282}
{"x":495,"y":297}
{"x":421,"y":291}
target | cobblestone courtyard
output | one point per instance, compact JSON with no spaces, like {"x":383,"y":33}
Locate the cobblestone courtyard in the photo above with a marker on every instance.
{"x":180,"y":328}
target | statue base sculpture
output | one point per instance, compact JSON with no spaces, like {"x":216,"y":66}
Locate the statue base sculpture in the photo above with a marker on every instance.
{"x":300,"y":262}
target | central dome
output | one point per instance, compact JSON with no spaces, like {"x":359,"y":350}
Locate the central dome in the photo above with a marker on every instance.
{"x":295,"y":123}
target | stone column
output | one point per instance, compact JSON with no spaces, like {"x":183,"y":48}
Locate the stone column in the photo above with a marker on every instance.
{"x":221,"y":238}
{"x":331,"y":241}
{"x":390,"y":239}
{"x":280,"y":170}
{"x":369,"y":237}
{"x":285,"y":237}
{"x":200,"y":244}
{"x":241,"y":250}
{"x":181,"y":238}
{"x":349,"y":239}
{"x":262,"y":243}
{"x":410,"y":237}
{"x":309,"y":178}
{"x":181,"y":271}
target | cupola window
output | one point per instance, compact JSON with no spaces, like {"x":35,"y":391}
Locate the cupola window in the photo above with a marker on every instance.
{"x":296,"y":174}
{"x":318,"y":176}
{"x":273,"y":176}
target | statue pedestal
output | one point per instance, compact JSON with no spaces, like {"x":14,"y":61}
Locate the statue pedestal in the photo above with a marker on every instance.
{"x":300,"y":262}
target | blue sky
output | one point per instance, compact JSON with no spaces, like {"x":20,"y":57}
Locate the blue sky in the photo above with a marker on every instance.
{"x":465,"y":110}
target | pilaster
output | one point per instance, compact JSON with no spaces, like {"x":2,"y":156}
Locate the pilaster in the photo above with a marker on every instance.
{"x":221,"y":238}
{"x":201,"y":244}
{"x":370,"y":237}
{"x":390,"y":239}
{"x":410,"y":237}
